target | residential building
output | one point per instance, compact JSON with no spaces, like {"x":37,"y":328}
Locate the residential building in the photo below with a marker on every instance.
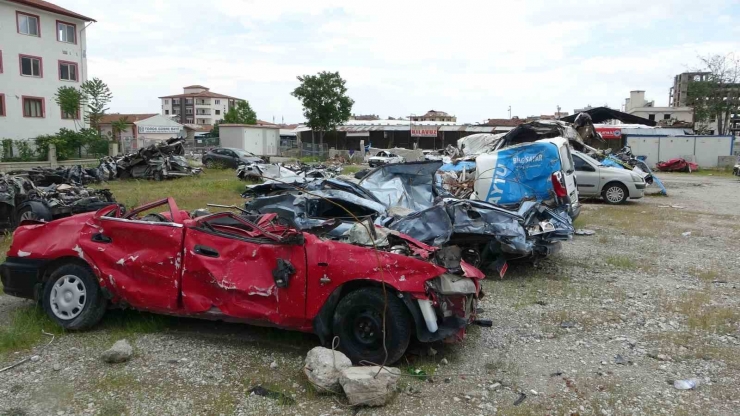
{"x":42,"y":47}
{"x":197,"y":105}
{"x":637,"y":105}
{"x":678,"y":94}
{"x":365,"y":117}
{"x":433,"y":115}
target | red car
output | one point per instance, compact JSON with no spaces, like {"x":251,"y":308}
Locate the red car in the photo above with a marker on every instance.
{"x":246,"y":269}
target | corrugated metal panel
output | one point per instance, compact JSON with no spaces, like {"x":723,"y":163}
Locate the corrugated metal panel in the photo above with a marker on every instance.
{"x":653,"y":132}
{"x":503,"y":129}
{"x":452,"y":128}
{"x":480,"y":129}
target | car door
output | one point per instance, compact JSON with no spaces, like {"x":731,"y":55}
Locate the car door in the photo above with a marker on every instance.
{"x":138,"y":256}
{"x":587,"y":177}
{"x":566,"y":160}
{"x":230,"y":158}
{"x":237,"y":268}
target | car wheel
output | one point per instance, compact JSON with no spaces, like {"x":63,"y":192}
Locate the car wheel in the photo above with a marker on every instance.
{"x":358,"y":322}
{"x":615,"y":193}
{"x":158,"y":176}
{"x":73,"y":298}
{"x":208,"y":163}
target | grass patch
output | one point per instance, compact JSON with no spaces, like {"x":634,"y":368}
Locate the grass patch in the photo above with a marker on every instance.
{"x":621,"y":262}
{"x":727,"y":171}
{"x":707,"y":274}
{"x":351,"y":169}
{"x":118,"y":324}
{"x":695,"y":346}
{"x":24,"y":328}
{"x":219,"y":186}
{"x":702,"y":315}
{"x":112,"y":409}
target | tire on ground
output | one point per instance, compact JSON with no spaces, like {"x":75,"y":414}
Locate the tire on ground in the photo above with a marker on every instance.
{"x":82,"y":280}
{"x":364,"y":308}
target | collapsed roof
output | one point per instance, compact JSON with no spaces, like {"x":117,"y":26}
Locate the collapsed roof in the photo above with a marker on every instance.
{"x":602,"y":114}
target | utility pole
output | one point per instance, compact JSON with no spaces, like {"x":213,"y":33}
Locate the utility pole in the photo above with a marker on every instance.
{"x":557,"y":114}
{"x":509,"y":112}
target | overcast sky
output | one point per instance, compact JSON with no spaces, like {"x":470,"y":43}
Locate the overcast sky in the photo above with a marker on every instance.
{"x":470,"y":58}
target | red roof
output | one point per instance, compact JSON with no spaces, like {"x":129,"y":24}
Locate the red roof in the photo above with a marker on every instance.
{"x":53,"y":8}
{"x":206,"y":94}
{"x":131,"y":118}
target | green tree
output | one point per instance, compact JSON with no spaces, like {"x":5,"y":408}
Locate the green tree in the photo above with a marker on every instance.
{"x":214,"y":129}
{"x":716,"y":96}
{"x":69,"y":99}
{"x":97,"y":96}
{"x":118,"y":127}
{"x":241,"y":113}
{"x":325,"y":102}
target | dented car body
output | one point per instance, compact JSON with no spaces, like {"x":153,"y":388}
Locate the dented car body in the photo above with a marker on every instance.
{"x":251,"y":269}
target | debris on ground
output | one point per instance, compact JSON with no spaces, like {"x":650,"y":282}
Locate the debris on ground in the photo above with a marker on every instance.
{"x":270,"y":394}
{"x":323,"y":366}
{"x":689,"y":384}
{"x":298,"y":172}
{"x":686,"y":234}
{"x":163,"y":160}
{"x":72,"y":175}
{"x":120,"y":352}
{"x":519,"y":400}
{"x":581,"y":231}
{"x":369,"y":386}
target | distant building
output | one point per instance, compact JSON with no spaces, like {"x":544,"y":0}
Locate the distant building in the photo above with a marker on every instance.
{"x":637,"y":105}
{"x":366,"y":117}
{"x":141,"y":129}
{"x":433,"y":115}
{"x":503,"y":122}
{"x":197,"y":105}
{"x":42,"y":47}
{"x":678,"y":94}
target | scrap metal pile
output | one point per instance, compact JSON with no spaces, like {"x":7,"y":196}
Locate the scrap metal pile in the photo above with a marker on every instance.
{"x":164,"y":160}
{"x":23,"y":199}
{"x":297,"y":172}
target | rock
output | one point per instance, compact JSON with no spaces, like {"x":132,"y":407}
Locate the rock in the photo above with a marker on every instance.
{"x":120,"y":352}
{"x":444,"y":361}
{"x":567,"y":324}
{"x":56,"y":367}
{"x":620,"y":360}
{"x":686,"y":234}
{"x":494,"y":386}
{"x":35,"y":358}
{"x":274,"y":365}
{"x":323,"y":367}
{"x":582,"y":231}
{"x":363,"y":387}
{"x":431,"y":352}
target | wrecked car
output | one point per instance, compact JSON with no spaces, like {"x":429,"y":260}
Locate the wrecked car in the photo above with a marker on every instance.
{"x":245,"y":268}
{"x":72,"y":175}
{"x":383,"y":158}
{"x":164,"y":160}
{"x":21,"y":200}
{"x":615,"y":185}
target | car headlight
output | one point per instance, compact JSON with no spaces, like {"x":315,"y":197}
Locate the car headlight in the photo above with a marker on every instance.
{"x":636,"y":177}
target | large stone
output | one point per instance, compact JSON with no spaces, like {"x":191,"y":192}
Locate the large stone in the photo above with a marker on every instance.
{"x":120,"y":352}
{"x":323,"y":367}
{"x":369,"y":386}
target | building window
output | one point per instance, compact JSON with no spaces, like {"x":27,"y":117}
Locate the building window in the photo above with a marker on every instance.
{"x":66,"y":32}
{"x":28,"y":24}
{"x":166,"y":112}
{"x":166,"y":102}
{"x":2,"y":105}
{"x":176,"y":101}
{"x":651,"y":117}
{"x":188,"y":101}
{"x":68,"y":116}
{"x":68,"y":71}
{"x":217,"y":101}
{"x":31,"y":66}
{"x":188,"y":111}
{"x":189,"y":120}
{"x":33,"y":107}
{"x":666,"y":116}
{"x":218,"y":112}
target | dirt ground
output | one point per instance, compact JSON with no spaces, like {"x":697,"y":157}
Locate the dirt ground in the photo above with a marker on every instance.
{"x":604,"y":327}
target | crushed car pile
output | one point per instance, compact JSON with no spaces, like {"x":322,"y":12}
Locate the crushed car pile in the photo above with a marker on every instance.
{"x":297,"y":172}
{"x":164,"y":160}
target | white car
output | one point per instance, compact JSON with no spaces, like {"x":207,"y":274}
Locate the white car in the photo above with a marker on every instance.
{"x":614,"y":185}
{"x":384,"y":158}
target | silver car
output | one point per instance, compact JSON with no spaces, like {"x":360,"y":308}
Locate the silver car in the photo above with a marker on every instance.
{"x":614,"y":185}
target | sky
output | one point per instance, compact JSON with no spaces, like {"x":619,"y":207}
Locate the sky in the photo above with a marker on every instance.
{"x":472,"y":59}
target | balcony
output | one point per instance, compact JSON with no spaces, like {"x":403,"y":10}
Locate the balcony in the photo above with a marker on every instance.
{"x":201,"y":112}
{"x":206,"y":103}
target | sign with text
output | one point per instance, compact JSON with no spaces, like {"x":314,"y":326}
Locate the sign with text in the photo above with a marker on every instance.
{"x":609,"y":133}
{"x":159,"y":129}
{"x":423,"y":131}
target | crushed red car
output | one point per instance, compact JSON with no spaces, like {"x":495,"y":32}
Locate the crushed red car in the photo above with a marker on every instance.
{"x":677,"y":165}
{"x":251,"y":269}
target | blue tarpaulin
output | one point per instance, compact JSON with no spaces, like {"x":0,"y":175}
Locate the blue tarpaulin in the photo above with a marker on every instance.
{"x":459,"y":166}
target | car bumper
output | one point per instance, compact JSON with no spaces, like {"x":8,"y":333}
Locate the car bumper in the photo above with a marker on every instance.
{"x":638,"y":191}
{"x":641,"y":185}
{"x":575,"y":210}
{"x":20,"y":277}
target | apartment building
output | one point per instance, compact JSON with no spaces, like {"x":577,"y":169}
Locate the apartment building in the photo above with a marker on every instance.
{"x":197,"y":105}
{"x":433,"y":115}
{"x":42,"y":48}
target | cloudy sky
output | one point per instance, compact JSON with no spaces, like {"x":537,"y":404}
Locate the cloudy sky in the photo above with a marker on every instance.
{"x":470,"y":58}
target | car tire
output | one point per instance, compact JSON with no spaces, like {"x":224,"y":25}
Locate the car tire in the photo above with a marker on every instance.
{"x":158,"y":176}
{"x":28,"y":213}
{"x":615,"y":193}
{"x":72,"y":297}
{"x":208,"y":163}
{"x":359,"y":325}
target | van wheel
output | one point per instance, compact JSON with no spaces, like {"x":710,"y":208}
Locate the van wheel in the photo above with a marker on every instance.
{"x":615,"y":193}
{"x":358,"y":322}
{"x":73,"y":298}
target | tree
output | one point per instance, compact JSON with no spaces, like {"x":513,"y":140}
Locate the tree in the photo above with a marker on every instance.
{"x":69,"y":99}
{"x":241,"y":113}
{"x":214,"y":129}
{"x":118,"y":127}
{"x":717,"y":95}
{"x":97,"y":96}
{"x":325,"y":102}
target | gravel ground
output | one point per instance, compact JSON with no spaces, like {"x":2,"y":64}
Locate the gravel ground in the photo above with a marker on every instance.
{"x":604,"y":328}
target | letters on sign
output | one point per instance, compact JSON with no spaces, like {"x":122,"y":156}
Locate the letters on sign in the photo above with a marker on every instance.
{"x":423,"y":132}
{"x":609,"y":133}
{"x":160,"y":129}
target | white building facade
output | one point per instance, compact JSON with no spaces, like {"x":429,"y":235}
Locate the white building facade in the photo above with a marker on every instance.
{"x":197,"y":105}
{"x":42,"y":48}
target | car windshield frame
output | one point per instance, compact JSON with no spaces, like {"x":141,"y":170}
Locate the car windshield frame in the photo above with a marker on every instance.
{"x":588,"y":159}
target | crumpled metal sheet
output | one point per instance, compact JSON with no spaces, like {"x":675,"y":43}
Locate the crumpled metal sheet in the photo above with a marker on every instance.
{"x":430,"y":226}
{"x":476,"y":144}
{"x":408,"y":185}
{"x":164,"y":159}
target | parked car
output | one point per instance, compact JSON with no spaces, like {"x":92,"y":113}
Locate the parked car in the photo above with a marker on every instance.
{"x":229,"y":157}
{"x":614,"y":185}
{"x":251,"y":269}
{"x":384,"y":158}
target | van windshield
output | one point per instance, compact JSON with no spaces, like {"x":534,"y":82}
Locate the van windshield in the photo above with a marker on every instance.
{"x":566,"y":160}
